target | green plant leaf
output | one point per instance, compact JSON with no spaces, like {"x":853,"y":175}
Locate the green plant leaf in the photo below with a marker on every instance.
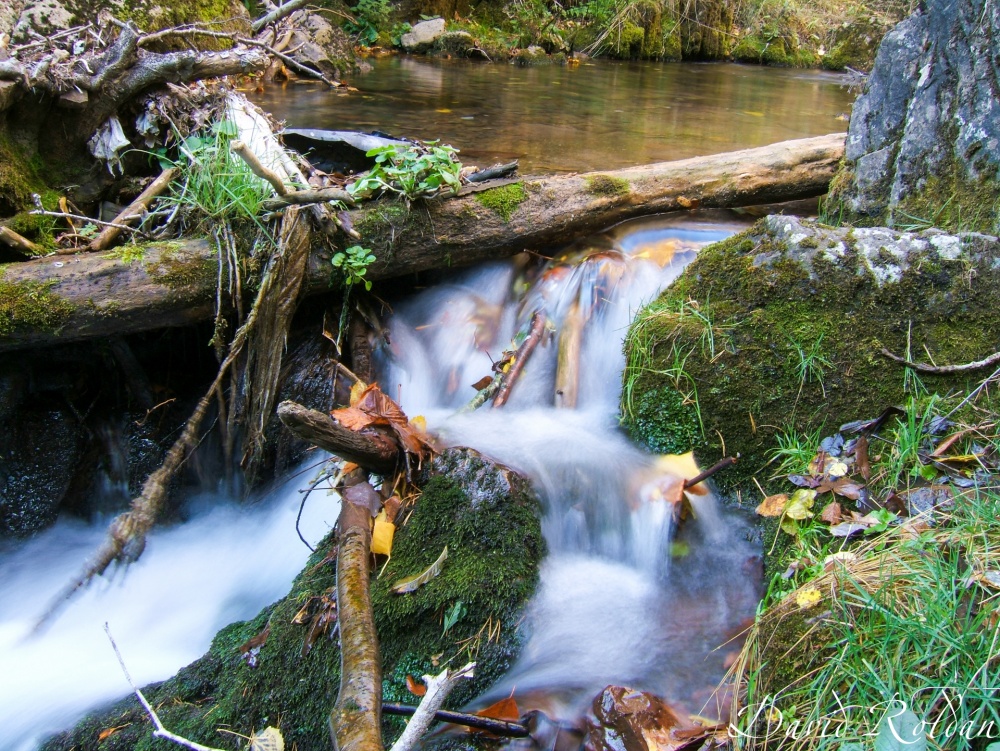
{"x":900,"y":731}
{"x":453,"y":616}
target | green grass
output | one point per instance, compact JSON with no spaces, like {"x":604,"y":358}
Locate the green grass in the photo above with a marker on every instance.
{"x":810,"y":365}
{"x":902,"y":623}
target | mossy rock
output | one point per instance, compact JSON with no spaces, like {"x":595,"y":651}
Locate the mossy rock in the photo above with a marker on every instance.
{"x":855,"y":44}
{"x":785,"y":289}
{"x":488,"y":517}
{"x":30,"y":306}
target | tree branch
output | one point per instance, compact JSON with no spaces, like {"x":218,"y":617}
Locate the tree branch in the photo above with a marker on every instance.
{"x":944,"y":369}
{"x":278,"y":13}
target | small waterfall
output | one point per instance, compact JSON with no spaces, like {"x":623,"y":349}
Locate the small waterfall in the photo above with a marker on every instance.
{"x":224,"y":564}
{"x":624,"y":597}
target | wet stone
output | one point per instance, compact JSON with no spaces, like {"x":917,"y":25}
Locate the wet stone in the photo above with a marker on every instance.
{"x":631,"y":720}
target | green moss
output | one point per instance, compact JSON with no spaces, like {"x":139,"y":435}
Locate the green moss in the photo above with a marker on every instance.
{"x":130,"y":253}
{"x":490,"y":521}
{"x":387,"y":221}
{"x":752,"y":389}
{"x":223,"y":15}
{"x":855,"y":44}
{"x":664,"y":421}
{"x":175,"y":269}
{"x":606,"y":185}
{"x":30,"y":305}
{"x":503,"y":200}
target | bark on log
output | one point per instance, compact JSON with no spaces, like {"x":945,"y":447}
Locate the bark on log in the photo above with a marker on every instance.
{"x":356,"y":718}
{"x":109,"y":296}
{"x":372,"y":450}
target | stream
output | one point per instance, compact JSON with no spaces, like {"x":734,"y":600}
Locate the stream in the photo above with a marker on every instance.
{"x":625,"y":596}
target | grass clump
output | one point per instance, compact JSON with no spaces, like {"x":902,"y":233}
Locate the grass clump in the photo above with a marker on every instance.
{"x":606,"y":185}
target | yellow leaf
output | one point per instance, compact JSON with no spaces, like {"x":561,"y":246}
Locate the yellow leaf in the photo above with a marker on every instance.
{"x":420,"y":423}
{"x":806,"y":598}
{"x":800,"y":503}
{"x":835,"y":467}
{"x":269,"y":739}
{"x":411,"y":583}
{"x":357,"y":390}
{"x":382,"y":534}
{"x":773,"y":505}
{"x":683,"y":466}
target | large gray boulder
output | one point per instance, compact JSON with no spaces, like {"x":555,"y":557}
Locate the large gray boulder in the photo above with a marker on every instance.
{"x":423,"y":35}
{"x":924,"y":141}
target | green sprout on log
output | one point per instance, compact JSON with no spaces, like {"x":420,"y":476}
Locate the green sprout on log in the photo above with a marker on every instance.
{"x":353,"y":263}
{"x":412,"y":171}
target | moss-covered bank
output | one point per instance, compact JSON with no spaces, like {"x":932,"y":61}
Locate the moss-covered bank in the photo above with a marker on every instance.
{"x":780,"y":329}
{"x":489,"y":519}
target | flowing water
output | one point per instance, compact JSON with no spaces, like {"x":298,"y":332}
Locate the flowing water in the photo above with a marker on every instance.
{"x":554,"y":118}
{"x":192,"y":580}
{"x":624,"y":597}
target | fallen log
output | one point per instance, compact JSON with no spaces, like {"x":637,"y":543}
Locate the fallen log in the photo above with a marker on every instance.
{"x":370,"y":449}
{"x":356,"y":717}
{"x":175,"y":283}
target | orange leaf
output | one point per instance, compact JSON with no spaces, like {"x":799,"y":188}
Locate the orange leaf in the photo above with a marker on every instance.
{"x":108,"y":732}
{"x":505,"y":709}
{"x":773,"y":505}
{"x":416,"y":688}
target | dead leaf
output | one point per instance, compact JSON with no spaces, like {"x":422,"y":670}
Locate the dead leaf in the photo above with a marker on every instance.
{"x":505,"y":709}
{"x":382,"y":534}
{"x":108,"y":732}
{"x":807,"y":598}
{"x":415,"y":687}
{"x":846,"y":529}
{"x":773,"y":505}
{"x":482,"y":383}
{"x":800,"y":503}
{"x":948,"y":442}
{"x":320,"y":613}
{"x":989,"y":579}
{"x":842,"y":486}
{"x":269,"y":739}
{"x":861,"y":457}
{"x":410,"y":584}
{"x":818,"y":464}
{"x":391,"y":508}
{"x":842,"y":558}
{"x":834,"y":467}
{"x":257,"y":641}
{"x":831,"y":513}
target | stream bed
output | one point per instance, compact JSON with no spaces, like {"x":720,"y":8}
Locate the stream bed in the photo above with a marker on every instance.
{"x":625,"y":597}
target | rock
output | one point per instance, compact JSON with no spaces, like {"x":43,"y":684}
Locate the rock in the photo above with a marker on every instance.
{"x":533,"y":55}
{"x":630,"y":720}
{"x":320,"y":44}
{"x":9,"y":13}
{"x":485,"y":513}
{"x":457,"y":43}
{"x":789,"y":287}
{"x":924,"y":140}
{"x":423,"y":35}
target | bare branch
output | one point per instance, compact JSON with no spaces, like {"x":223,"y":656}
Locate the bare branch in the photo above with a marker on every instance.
{"x":278,"y":13}
{"x":944,"y":369}
{"x":159,"y":731}
{"x":438,"y":688}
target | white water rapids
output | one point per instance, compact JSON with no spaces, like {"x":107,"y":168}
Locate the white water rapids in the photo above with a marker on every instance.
{"x":617,"y":603}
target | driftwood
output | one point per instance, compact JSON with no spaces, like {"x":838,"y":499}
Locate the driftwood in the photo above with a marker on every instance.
{"x":505,"y":728}
{"x":308,"y":196}
{"x":21,"y":244}
{"x":370,"y":448}
{"x":356,"y":718}
{"x":134,"y":210}
{"x":113,"y":297}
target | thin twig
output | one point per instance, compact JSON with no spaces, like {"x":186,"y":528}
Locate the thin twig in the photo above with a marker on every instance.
{"x":160,"y":731}
{"x":717,"y":467}
{"x":944,"y":369}
{"x":91,"y":220}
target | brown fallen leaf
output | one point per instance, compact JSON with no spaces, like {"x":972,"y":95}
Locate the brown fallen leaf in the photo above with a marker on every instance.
{"x":831,"y":513}
{"x":482,"y":383}
{"x":391,"y":507}
{"x":861,"y":457}
{"x":773,"y":505}
{"x":256,"y":641}
{"x":108,"y":732}
{"x":415,"y":687}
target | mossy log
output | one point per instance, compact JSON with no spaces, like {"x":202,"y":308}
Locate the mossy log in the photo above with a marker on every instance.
{"x":356,"y":718}
{"x":174,"y":284}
